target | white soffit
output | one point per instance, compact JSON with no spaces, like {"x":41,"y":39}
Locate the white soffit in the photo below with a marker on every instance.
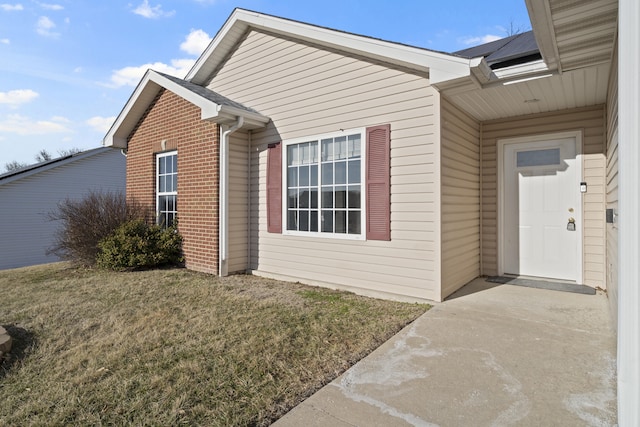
{"x":533,"y":93}
{"x":441,"y":66}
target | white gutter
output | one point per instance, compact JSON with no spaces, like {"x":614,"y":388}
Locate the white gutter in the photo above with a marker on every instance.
{"x":223,"y":200}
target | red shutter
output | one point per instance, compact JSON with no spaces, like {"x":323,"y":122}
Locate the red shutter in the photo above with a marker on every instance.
{"x":274,"y":188}
{"x":378,"y":183}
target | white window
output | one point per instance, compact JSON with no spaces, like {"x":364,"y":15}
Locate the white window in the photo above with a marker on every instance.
{"x":324,"y":193}
{"x":167,"y":188}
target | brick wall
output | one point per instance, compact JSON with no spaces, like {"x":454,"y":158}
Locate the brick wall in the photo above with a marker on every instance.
{"x":176,"y":121}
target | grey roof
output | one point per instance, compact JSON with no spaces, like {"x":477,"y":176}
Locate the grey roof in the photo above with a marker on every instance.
{"x":207,"y":93}
{"x":511,"y":50}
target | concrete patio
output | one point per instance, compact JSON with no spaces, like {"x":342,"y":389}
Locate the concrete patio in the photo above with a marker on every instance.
{"x":491,"y":355}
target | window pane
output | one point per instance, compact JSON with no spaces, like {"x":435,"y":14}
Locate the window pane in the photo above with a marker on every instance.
{"x":293,"y":199}
{"x":303,"y":198}
{"x":304,"y":176}
{"x":327,"y":150}
{"x":313,"y":146}
{"x":304,"y":220}
{"x":327,"y":221}
{"x":327,"y":174}
{"x":162,"y":169}
{"x":163,"y":184}
{"x":292,"y":155}
{"x":354,"y":172}
{"x":341,"y":147}
{"x":341,"y":172}
{"x":171,"y":218}
{"x":354,"y":197}
{"x":354,"y":222}
{"x":174,"y":159}
{"x":327,"y":197}
{"x":354,"y":146}
{"x":162,"y":219}
{"x":292,"y":224}
{"x":341,"y":197}
{"x":292,"y":178}
{"x":170,"y":204}
{"x":313,"y":170}
{"x":169,"y":164}
{"x":175,"y":182}
{"x":313,"y":203}
{"x":538,"y":157}
{"x":313,"y":226}
{"x":341,"y":222}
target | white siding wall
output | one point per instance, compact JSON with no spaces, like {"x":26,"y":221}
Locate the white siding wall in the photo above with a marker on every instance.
{"x":460,"y":170}
{"x":591,"y":122}
{"x":307,"y":91}
{"x":26,"y":232}
{"x":612,"y":187}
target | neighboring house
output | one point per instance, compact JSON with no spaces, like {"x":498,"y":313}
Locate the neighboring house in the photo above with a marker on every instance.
{"x":28,"y":195}
{"x":309,"y":154}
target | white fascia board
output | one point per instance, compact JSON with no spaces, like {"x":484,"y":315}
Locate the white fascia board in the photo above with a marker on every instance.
{"x":544,"y":32}
{"x":444,"y":65}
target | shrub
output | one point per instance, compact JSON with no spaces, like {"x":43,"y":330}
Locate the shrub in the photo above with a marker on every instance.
{"x":87,"y":221}
{"x":136,"y":244}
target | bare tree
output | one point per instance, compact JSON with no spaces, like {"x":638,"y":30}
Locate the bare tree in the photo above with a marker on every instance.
{"x":69,"y":152}
{"x":514,"y":29}
{"x":43,"y":156}
{"x":14,"y":166}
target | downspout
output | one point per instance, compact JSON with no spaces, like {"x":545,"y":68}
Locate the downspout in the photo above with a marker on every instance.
{"x":249,"y":202}
{"x":481,"y":199}
{"x":223,"y":200}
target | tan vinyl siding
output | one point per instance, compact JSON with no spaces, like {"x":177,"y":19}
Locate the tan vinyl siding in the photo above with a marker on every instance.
{"x":460,"y":172}
{"x":612,"y":187}
{"x":308,"y":91}
{"x":591,"y":122}
{"x":238,"y":202}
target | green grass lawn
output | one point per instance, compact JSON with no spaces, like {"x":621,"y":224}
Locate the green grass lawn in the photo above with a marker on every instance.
{"x":170,"y":347}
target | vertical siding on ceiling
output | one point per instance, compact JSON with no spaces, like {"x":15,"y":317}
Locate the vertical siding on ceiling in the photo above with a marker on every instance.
{"x":238,"y":202}
{"x":306,"y":91}
{"x":591,"y":122}
{"x":460,"y":172}
{"x":612,"y":188}
{"x":25,"y":229}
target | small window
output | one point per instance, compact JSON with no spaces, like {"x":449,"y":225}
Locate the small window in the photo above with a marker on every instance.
{"x":167,"y":188}
{"x":548,"y":157}
{"x":324,"y":185}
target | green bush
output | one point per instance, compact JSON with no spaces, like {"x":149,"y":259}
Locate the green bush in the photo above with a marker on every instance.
{"x":136,"y":245}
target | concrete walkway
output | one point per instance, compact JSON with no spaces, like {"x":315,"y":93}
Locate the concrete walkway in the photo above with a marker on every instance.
{"x":492,"y":355}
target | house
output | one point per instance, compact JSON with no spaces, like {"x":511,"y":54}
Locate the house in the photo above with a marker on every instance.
{"x":304,"y":153}
{"x":29,"y":194}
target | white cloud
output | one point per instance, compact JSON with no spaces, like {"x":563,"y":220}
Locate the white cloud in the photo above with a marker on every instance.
{"x":101,"y":124}
{"x":49,"y":6}
{"x":5,"y":41}
{"x":130,"y":76}
{"x":11,"y":7}
{"x":22,"y":125}
{"x":196,"y":42}
{"x":14,"y":98}
{"x":152,"y":12}
{"x":78,"y":70}
{"x":487,"y":38}
{"x":45,"y":26}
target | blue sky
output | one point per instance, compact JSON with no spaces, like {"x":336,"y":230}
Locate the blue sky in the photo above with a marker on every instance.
{"x":67,"y":67}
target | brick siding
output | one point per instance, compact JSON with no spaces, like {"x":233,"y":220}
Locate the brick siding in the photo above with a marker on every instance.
{"x":177,"y":122}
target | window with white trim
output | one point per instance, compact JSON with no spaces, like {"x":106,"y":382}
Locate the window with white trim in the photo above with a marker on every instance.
{"x":324,"y":191}
{"x":167,"y":188}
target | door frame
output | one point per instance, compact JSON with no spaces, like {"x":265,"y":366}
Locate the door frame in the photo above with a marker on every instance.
{"x":577,"y":134}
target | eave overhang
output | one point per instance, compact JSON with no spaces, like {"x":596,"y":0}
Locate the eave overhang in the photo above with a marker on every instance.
{"x":148,"y":89}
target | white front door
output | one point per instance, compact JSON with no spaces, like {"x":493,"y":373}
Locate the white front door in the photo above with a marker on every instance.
{"x":542,"y":209}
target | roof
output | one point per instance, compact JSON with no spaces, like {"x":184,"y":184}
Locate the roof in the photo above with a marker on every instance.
{"x":213,"y":106}
{"x":512,"y":50}
{"x":46,"y":165}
